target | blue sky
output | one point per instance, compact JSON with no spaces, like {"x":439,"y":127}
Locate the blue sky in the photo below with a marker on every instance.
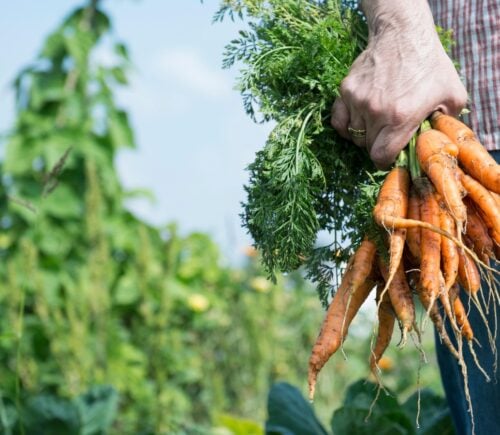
{"x":194,"y":139}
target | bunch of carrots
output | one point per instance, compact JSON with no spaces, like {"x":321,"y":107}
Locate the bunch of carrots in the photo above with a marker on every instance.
{"x":441,"y":224}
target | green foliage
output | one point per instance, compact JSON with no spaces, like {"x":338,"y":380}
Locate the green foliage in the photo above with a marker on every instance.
{"x":364,"y":411}
{"x":305,"y":180}
{"x":91,"y":413}
{"x":289,"y":413}
{"x":91,"y":295}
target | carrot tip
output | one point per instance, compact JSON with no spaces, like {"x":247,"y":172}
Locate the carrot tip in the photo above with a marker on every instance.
{"x":404,"y":338}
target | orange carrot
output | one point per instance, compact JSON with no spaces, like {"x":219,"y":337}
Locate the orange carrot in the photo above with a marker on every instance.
{"x":461,"y":315}
{"x":413,"y":234}
{"x":354,"y":289}
{"x":400,"y":297}
{"x":477,"y":232}
{"x":468,"y":274}
{"x":393,"y":201}
{"x":485,"y":203}
{"x":449,"y":251}
{"x":385,"y":328}
{"x":430,"y":245}
{"x":474,"y":158}
{"x":440,"y":167}
{"x":436,"y":318}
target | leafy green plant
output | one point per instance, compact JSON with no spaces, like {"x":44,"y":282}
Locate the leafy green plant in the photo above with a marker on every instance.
{"x":92,"y":295}
{"x":364,"y":411}
{"x":91,"y":413}
{"x":305,"y":179}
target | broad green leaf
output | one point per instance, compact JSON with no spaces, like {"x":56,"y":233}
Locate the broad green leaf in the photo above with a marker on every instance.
{"x":361,"y":393}
{"x":54,"y":47}
{"x":361,"y":414}
{"x":46,"y":87}
{"x":120,"y":129}
{"x":435,"y":418}
{"x":289,"y":413}
{"x":53,"y":241}
{"x":97,"y":410}
{"x":127,"y":291}
{"x":79,"y":44}
{"x":20,"y":154}
{"x":63,"y":203}
{"x":119,"y":75}
{"x":354,"y":421}
{"x":45,"y":414}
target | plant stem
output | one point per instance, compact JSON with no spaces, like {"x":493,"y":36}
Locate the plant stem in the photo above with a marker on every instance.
{"x":414,"y":166}
{"x":402,"y":160}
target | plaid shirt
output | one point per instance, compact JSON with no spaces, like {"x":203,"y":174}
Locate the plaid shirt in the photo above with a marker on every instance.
{"x":476,"y":26}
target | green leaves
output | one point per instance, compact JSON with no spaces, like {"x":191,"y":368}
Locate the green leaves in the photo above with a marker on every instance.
{"x":386,"y":415}
{"x":119,"y":129}
{"x":365,"y":411}
{"x":91,"y":413}
{"x":305,"y":180}
{"x":290,"y":414}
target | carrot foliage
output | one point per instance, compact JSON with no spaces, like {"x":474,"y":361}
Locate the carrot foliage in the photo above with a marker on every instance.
{"x":292,"y":57}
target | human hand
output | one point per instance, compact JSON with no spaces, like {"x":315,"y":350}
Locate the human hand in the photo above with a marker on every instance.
{"x":399,"y":80}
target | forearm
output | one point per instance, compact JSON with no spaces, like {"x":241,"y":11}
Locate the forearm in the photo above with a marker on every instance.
{"x":400,"y":18}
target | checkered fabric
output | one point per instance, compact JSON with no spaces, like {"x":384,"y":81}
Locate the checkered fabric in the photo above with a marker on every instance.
{"x":476,"y":27}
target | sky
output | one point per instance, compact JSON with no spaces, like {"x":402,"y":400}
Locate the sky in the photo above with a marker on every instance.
{"x":194,"y":139}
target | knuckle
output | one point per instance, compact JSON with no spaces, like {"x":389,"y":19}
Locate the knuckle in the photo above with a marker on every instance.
{"x":460,"y":97}
{"x":398,"y":113}
{"x":373,"y":107}
{"x":378,"y":156}
{"x":347,"y":87}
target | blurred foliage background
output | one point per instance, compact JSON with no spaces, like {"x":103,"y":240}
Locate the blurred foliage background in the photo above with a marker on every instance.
{"x":111,"y":325}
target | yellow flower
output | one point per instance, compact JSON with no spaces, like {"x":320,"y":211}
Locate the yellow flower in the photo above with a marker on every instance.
{"x":260,"y":284}
{"x":198,"y":303}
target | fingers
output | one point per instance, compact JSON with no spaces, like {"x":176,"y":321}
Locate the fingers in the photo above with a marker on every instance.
{"x":454,"y":101}
{"x":340,"y":118}
{"x":357,"y":123}
{"x":388,"y":144}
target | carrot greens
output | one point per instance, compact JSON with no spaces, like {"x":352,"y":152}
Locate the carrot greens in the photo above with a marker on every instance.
{"x":292,"y":58}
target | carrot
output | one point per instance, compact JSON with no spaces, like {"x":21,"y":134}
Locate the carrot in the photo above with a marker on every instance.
{"x":413,"y":234}
{"x":496,"y":196}
{"x":477,"y":232}
{"x":385,"y":328}
{"x":474,"y":158}
{"x":468,"y":274}
{"x":449,"y":251}
{"x":400,"y":297}
{"x":430,"y":245}
{"x":485,"y":203}
{"x":437,"y":320}
{"x":354,"y":289}
{"x":462,"y":320}
{"x":440,"y":167}
{"x":393,"y":201}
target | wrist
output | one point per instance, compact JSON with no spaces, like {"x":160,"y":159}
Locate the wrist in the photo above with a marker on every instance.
{"x":399,"y":18}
